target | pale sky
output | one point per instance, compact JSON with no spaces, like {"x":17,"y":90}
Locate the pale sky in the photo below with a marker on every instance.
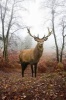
{"x":37,"y":18}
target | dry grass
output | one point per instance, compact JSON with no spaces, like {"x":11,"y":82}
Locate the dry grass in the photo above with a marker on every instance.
{"x":46,"y":86}
{"x":47,"y":64}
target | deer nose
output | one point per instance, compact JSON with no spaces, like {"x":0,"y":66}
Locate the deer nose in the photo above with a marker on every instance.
{"x":41,"y":45}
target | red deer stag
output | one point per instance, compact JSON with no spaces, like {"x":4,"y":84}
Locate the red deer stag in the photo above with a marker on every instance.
{"x":32,"y":56}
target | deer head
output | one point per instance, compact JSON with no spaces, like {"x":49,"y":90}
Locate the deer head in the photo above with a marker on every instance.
{"x":40,"y":40}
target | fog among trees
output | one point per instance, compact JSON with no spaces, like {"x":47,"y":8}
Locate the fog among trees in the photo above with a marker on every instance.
{"x":17,"y":15}
{"x":32,"y":49}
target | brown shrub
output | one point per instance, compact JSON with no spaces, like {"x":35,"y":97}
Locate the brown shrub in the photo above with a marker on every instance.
{"x":64,"y":66}
{"x":64,"y":63}
{"x":4,"y":64}
{"x":47,"y":66}
{"x":60,"y":67}
{"x":42,"y":68}
{"x":51,"y":65}
{"x":7,"y":66}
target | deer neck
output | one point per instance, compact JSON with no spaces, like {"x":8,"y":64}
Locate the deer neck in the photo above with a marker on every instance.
{"x":38,"y":52}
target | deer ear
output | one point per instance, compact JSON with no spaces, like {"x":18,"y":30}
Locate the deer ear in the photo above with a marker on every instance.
{"x":45,"y":38}
{"x":34,"y":38}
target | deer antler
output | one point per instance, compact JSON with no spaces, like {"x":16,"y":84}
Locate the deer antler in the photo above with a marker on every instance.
{"x":37,"y":38}
{"x":49,"y":33}
{"x":30,"y":33}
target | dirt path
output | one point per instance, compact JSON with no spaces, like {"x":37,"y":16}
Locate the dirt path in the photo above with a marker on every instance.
{"x":46,"y":86}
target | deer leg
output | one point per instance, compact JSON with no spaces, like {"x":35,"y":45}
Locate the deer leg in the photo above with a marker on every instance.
{"x":35,"y":69}
{"x":22,"y":65}
{"x":32,"y":69}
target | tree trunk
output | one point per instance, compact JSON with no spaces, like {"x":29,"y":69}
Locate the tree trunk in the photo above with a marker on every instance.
{"x":57,"y":50}
{"x":61,"y":57}
{"x":5,"y":51}
{"x":57,"y":53}
{"x":61,"y":53}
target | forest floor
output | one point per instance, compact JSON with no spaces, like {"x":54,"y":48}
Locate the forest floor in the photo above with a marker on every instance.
{"x":46,"y":86}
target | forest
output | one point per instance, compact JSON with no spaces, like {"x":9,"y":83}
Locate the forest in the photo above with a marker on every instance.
{"x":32,"y":50}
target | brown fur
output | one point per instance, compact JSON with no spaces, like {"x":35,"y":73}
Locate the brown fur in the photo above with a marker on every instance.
{"x":31,"y":55}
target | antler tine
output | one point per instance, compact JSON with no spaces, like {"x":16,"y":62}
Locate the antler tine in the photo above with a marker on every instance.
{"x":43,"y":37}
{"x":49,"y":32}
{"x":29,"y":32}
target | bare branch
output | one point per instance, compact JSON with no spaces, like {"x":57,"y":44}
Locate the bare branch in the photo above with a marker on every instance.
{"x":30,"y":33}
{"x":49,"y":33}
{"x":64,"y":36}
{"x":5,"y":9}
{"x":17,"y":30}
{"x":1,"y":38}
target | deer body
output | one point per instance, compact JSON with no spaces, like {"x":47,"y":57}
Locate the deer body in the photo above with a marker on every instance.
{"x":32,"y":56}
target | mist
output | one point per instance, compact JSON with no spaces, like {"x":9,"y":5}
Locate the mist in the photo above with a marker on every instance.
{"x":37,"y":15}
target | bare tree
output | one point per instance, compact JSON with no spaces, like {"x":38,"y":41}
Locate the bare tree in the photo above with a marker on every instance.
{"x":5,"y":38}
{"x":53,"y":7}
{"x":8,"y":21}
{"x":54,"y":14}
{"x":53,"y":28}
{"x":63,"y":40}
